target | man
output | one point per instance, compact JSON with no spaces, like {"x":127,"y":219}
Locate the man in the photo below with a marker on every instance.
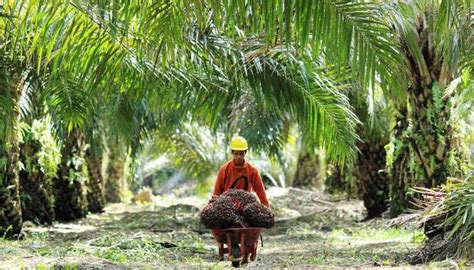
{"x":239,"y":174}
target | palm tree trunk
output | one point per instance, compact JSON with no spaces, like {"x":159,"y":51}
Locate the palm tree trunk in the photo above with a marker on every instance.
{"x":399,"y":173}
{"x":373,"y":183}
{"x":339,"y":181}
{"x":96,"y":188}
{"x":70,"y":184}
{"x":425,"y":151}
{"x":114,"y":185}
{"x":116,"y":181}
{"x":10,"y":207}
{"x":36,"y":189}
{"x":431,"y":141}
{"x":308,"y":172}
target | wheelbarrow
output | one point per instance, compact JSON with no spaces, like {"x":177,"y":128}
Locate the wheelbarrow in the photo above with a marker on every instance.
{"x":246,"y":237}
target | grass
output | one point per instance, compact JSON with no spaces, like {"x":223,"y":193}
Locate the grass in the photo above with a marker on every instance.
{"x":317,"y":260}
{"x":301,"y":230}
{"x":127,"y":248}
{"x":134,"y":237}
{"x":374,"y":235}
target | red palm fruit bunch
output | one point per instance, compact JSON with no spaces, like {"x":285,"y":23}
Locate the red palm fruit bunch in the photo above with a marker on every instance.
{"x":220,"y":214}
{"x":228,"y":211}
{"x":257,"y":215}
{"x":240,"y":198}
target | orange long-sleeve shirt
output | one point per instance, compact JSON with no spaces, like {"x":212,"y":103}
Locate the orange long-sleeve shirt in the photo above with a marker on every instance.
{"x":230,"y":176}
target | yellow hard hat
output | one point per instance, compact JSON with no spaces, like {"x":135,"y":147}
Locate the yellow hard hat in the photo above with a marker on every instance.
{"x":238,"y":143}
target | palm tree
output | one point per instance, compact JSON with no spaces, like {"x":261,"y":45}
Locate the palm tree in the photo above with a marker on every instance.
{"x":136,"y":50}
{"x":96,"y":185}
{"x":40,"y":157}
{"x":10,"y":91}
{"x":270,"y":88}
{"x":38,"y":154}
{"x":70,"y":183}
{"x":265,"y":122}
{"x":59,"y":43}
{"x":416,"y":51}
{"x":115,"y":185}
{"x":309,"y":172}
{"x":369,"y":169}
{"x":434,"y":57}
{"x":366,"y":177}
{"x":74,"y":47}
{"x":10,"y":215}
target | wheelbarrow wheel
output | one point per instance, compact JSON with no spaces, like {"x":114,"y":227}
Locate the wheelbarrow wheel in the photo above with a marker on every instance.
{"x":236,"y":263}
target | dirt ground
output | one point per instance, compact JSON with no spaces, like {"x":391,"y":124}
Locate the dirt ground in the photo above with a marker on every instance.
{"x":312,"y":232}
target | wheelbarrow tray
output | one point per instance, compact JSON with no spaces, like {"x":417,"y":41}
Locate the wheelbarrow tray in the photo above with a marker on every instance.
{"x":246,"y":237}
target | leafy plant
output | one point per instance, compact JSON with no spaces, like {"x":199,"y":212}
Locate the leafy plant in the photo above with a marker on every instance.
{"x":449,"y":211}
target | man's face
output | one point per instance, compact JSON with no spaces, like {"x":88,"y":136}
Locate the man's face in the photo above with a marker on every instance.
{"x":239,"y":157}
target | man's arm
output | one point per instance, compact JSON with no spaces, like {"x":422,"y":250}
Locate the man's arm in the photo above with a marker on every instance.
{"x":219,"y":187}
{"x":260,"y":189}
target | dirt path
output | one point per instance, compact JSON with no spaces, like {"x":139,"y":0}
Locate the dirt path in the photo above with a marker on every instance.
{"x":311,"y":231}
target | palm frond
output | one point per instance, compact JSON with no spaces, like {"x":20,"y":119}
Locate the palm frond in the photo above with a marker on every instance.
{"x":464,"y":86}
{"x":95,"y":45}
{"x":450,"y":210}
{"x":6,"y":106}
{"x":277,"y":83}
{"x":77,"y":57}
{"x":315,"y":96}
{"x":373,"y":111}
{"x":456,"y":50}
{"x":68,"y":104}
{"x":346,"y":32}
{"x":150,"y":29}
{"x":6,"y":101}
